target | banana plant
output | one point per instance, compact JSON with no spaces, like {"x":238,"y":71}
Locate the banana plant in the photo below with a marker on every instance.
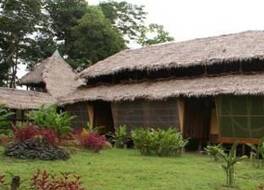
{"x":230,"y":160}
{"x":257,"y":153}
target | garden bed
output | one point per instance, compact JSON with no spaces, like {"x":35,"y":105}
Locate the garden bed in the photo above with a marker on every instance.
{"x":127,"y":169}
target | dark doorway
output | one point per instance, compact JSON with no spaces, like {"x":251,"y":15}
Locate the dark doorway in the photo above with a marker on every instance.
{"x":197,"y":121}
{"x":103,"y":117}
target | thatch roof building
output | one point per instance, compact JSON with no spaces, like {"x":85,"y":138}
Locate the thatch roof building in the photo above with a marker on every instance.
{"x":24,"y":100}
{"x":52,"y":75}
{"x":210,"y":88}
{"x":203,"y":51}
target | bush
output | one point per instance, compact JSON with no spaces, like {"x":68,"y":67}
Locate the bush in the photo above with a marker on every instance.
{"x":31,"y":131}
{"x":42,"y":180}
{"x":167,"y":142}
{"x":121,"y":137}
{"x":257,"y":153}
{"x":92,"y":141}
{"x":5,"y":124}
{"x":214,"y":151}
{"x":48,"y":117}
{"x":35,"y":148}
{"x":230,"y":160}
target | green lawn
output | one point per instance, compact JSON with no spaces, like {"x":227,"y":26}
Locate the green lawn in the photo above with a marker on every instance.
{"x":126,"y":169}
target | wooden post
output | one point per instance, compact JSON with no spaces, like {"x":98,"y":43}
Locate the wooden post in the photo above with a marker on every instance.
{"x":90,"y":110}
{"x":15,"y":183}
{"x":181,"y":113}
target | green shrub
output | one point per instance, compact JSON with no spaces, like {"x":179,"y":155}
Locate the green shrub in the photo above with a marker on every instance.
{"x":5,"y":124}
{"x":121,"y":137}
{"x":230,"y":160}
{"x":161,"y":142}
{"x":257,"y":153}
{"x":214,"y":150}
{"x":49,"y":117}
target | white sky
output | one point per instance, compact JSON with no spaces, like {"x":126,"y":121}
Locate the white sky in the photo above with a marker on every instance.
{"x":188,"y":19}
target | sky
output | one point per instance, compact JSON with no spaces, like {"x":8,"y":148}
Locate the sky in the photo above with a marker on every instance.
{"x":188,"y":19}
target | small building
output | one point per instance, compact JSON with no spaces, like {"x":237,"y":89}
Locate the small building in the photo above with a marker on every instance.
{"x":211,"y":89}
{"x":21,"y":101}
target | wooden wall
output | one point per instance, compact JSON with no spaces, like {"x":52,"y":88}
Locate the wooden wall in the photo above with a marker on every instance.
{"x":142,"y":113}
{"x":80,"y":111}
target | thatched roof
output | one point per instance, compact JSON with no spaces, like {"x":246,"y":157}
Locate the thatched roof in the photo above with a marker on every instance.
{"x":225,"y":48}
{"x":21,"y":99}
{"x":55,"y":73}
{"x":158,"y":90}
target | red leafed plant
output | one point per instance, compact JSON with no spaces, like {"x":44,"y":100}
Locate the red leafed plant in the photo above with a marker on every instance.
{"x":2,"y":179}
{"x":30,"y":131}
{"x":42,"y":180}
{"x":92,"y":140}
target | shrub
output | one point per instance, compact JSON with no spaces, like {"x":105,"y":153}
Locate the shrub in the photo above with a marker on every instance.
{"x":257,"y":153}
{"x":31,"y":131}
{"x":5,"y":124}
{"x":35,"y":148}
{"x":121,"y":137}
{"x":161,"y":142}
{"x":42,"y":180}
{"x":48,"y":117}
{"x":230,"y":160}
{"x":214,"y":150}
{"x":92,"y":141}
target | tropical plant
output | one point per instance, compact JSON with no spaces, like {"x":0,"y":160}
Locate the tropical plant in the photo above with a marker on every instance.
{"x":5,"y":124}
{"x":43,"y":180}
{"x":230,"y":160}
{"x":213,"y":150}
{"x":257,"y":153}
{"x":161,"y":142}
{"x":121,"y":137}
{"x":49,"y":117}
{"x":92,"y":141}
{"x":30,"y":131}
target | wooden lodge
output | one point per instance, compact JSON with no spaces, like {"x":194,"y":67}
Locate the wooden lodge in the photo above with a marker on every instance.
{"x":211,"y":89}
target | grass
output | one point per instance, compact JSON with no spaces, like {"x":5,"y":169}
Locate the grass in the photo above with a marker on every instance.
{"x":126,"y":169}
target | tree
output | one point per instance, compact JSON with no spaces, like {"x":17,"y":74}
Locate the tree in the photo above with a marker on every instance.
{"x":82,"y":32}
{"x":154,"y":34}
{"x":94,"y":38}
{"x":19,"y":21}
{"x":64,"y":14}
{"x":128,"y":18}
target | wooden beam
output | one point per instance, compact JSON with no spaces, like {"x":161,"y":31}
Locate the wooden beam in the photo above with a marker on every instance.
{"x":90,"y":110}
{"x":231,"y":140}
{"x":181,"y":113}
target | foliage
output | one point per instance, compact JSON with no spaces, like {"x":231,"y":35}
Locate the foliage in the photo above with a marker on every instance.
{"x":94,"y":38}
{"x":161,"y":142}
{"x":19,"y":20}
{"x":48,"y":117}
{"x":128,"y":18}
{"x":30,"y":131}
{"x":230,"y":160}
{"x":42,"y":180}
{"x":5,"y":124}
{"x":153,"y":34}
{"x":92,"y":141}
{"x":121,"y":137}
{"x":35,"y":148}
{"x":214,"y":150}
{"x":257,"y":153}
